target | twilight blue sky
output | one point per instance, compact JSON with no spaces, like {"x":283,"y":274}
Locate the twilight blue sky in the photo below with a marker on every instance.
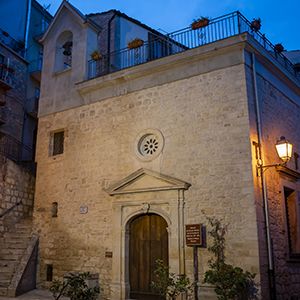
{"x":280,"y":19}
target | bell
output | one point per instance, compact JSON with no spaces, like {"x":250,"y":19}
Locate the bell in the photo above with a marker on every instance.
{"x":67,"y":48}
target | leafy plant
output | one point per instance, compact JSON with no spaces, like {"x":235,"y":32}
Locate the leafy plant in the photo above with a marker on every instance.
{"x":75,"y":287}
{"x":168,"y":285}
{"x":279,"y":47}
{"x":230,"y":282}
{"x":200,"y":22}
{"x":96,"y":55}
{"x":256,"y":24}
{"x":135,"y":43}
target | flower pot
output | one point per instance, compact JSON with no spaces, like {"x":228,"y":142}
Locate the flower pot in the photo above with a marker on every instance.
{"x":200,"y":23}
{"x":255,"y":25}
{"x":135,"y":43}
{"x":96,"y":56}
{"x":279,"y":48}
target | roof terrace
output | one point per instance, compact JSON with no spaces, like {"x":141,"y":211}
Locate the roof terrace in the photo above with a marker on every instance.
{"x":188,"y":38}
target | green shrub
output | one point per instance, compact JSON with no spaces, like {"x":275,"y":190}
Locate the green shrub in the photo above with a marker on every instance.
{"x":230,"y":282}
{"x":75,"y":287}
{"x":168,"y":285}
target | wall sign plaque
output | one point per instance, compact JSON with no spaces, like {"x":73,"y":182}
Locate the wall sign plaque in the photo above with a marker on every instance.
{"x":193,"y":235}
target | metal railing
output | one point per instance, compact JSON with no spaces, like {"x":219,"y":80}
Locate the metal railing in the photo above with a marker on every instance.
{"x":6,"y":74}
{"x":17,"y":46}
{"x":14,"y":149}
{"x":8,"y":210}
{"x":3,"y":115}
{"x":218,"y":29}
{"x":159,"y":46}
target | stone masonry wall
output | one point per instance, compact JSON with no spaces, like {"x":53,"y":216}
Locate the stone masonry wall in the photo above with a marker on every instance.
{"x":280,"y":115}
{"x":202,"y":119}
{"x":16,"y":185}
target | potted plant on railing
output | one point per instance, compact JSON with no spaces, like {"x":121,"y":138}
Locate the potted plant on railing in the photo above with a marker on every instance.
{"x":256,"y":24}
{"x":279,"y":47}
{"x":135,"y":43}
{"x":200,"y":23}
{"x":96,"y":55}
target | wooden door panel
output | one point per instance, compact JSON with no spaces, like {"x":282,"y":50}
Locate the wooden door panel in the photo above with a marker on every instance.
{"x":148,"y":242}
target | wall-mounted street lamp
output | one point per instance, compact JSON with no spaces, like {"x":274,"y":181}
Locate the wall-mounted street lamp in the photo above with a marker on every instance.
{"x":284,"y":150}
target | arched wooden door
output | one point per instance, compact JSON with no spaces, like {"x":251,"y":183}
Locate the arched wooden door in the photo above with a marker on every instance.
{"x":148,"y":242}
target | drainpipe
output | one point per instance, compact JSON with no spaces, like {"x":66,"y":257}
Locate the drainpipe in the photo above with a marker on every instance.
{"x":108,"y":40}
{"x":271,"y":275}
{"x":27,"y":24}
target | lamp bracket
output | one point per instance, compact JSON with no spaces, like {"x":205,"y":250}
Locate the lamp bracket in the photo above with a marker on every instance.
{"x":260,"y":168}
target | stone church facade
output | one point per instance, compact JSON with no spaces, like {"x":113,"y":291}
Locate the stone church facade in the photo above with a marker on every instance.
{"x":164,"y":142}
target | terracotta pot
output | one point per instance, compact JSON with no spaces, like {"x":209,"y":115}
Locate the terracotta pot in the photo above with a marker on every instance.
{"x":255,"y":25}
{"x":278,"y":48}
{"x":200,"y":23}
{"x":135,"y":43}
{"x":96,"y":56}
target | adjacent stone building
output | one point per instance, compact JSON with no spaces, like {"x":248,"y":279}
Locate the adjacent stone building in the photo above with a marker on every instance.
{"x":128,"y":156}
{"x":19,"y":94}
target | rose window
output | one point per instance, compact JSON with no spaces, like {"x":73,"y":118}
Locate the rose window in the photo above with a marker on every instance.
{"x":149,"y":144}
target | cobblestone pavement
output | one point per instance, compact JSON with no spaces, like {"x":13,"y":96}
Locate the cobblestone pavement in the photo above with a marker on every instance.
{"x":34,"y":295}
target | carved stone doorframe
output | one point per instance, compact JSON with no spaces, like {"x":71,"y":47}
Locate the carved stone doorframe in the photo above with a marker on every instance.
{"x":145,"y":192}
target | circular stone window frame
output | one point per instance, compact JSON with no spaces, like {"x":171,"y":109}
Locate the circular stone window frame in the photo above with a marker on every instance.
{"x":139,"y":142}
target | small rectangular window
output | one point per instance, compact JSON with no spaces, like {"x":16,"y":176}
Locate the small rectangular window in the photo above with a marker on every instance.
{"x":57,"y":141}
{"x":49,"y":272}
{"x":293,"y":221}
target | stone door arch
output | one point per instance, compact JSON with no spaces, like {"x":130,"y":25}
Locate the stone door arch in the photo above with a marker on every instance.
{"x":141,"y":193}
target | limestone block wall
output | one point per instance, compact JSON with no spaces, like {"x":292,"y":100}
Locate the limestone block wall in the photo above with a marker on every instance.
{"x":205,"y":124}
{"x":280,"y":114}
{"x":16,"y":185}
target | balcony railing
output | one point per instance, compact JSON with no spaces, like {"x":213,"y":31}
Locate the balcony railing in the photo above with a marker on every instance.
{"x":17,"y":46}
{"x":218,"y":29}
{"x":14,"y":149}
{"x":3,"y":115}
{"x":6,"y":76}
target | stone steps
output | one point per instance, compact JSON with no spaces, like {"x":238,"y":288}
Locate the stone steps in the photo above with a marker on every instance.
{"x":8,"y":251}
{"x":3,"y":291}
{"x":11,"y":256}
{"x":13,"y":245}
{"x":5,"y":275}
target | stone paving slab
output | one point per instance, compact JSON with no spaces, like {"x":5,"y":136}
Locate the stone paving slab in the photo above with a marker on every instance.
{"x":35,"y":295}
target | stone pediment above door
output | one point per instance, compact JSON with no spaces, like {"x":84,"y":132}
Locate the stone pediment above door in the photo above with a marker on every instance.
{"x":144,"y":180}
